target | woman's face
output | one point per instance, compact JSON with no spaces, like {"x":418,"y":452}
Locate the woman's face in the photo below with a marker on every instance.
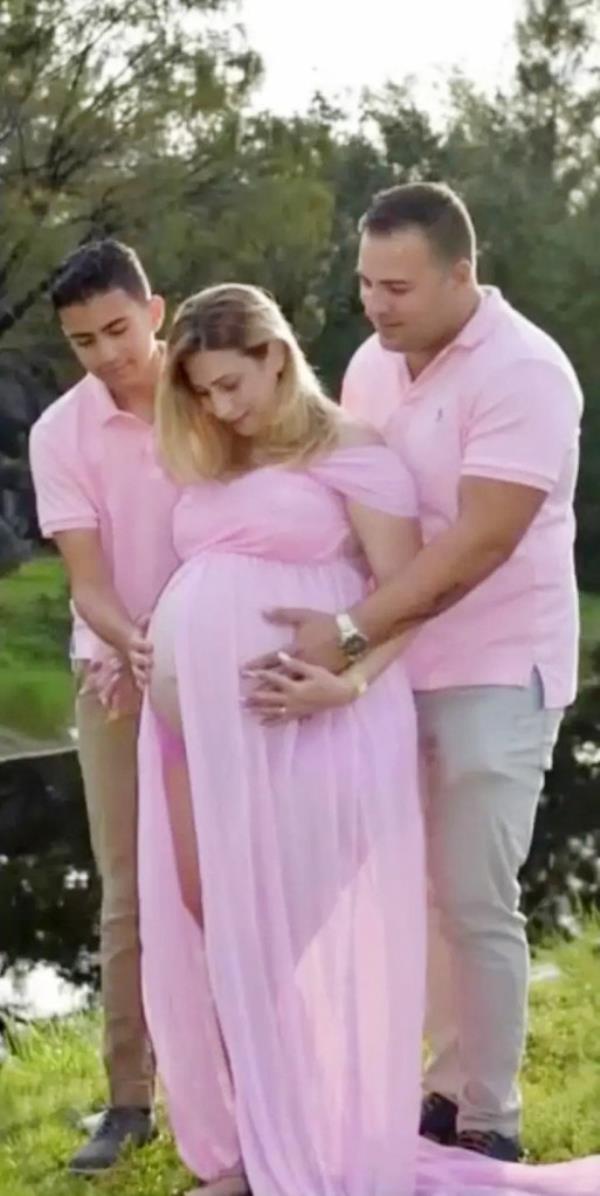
{"x":238,"y":390}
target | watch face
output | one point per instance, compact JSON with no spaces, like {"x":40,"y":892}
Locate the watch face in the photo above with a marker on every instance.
{"x":355,"y":644}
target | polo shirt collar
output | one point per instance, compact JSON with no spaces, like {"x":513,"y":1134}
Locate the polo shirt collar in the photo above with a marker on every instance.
{"x":474,"y":331}
{"x":105,"y":406}
{"x":477,"y":328}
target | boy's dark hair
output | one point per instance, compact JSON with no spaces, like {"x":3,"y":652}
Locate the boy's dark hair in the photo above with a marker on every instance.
{"x":95,"y":268}
{"x":433,"y":208}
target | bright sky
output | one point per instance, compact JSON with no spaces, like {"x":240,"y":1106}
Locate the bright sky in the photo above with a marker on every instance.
{"x":341,"y":46}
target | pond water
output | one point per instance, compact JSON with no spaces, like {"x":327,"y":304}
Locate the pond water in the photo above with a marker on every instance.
{"x":49,"y":894}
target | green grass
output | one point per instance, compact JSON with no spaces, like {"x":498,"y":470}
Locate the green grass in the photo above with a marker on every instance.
{"x":55,"y":1076}
{"x":36,"y":694}
{"x":561,"y":1080}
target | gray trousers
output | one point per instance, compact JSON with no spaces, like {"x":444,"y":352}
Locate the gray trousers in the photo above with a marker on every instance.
{"x":484,"y":751}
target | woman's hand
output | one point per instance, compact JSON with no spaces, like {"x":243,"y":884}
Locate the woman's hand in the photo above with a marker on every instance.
{"x":295,"y":690}
{"x":140,"y":654}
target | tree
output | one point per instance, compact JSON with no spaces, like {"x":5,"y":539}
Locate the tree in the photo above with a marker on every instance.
{"x":557,"y":104}
{"x":255,"y":207}
{"x":94,"y":95}
{"x":557,"y":92}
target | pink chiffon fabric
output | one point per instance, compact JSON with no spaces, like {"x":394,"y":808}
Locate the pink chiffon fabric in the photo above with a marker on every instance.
{"x":288,"y":1032}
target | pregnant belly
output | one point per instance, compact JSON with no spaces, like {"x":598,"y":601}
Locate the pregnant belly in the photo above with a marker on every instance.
{"x":210,"y":620}
{"x":223,"y":598}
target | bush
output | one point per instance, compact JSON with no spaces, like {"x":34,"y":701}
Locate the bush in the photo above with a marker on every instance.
{"x":562,"y":876}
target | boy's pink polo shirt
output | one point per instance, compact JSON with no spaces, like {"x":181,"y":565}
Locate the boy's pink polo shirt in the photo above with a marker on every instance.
{"x":94,"y":466}
{"x":501,"y":401}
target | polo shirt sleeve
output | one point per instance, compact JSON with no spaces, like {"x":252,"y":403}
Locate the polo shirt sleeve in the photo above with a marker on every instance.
{"x":523,"y":426}
{"x":64,"y":500}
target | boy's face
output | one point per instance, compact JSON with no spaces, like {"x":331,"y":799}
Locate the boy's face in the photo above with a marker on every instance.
{"x":113,"y":335}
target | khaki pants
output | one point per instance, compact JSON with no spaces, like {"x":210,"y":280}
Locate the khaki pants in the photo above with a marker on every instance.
{"x":485,"y":749}
{"x":108,"y":757}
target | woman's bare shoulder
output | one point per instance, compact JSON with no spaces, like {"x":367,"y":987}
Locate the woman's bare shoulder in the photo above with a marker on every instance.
{"x":354,"y":433}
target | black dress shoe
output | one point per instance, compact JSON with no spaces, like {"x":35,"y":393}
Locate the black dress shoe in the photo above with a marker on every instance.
{"x":117,"y":1127}
{"x":438,"y":1119}
{"x":490,"y":1144}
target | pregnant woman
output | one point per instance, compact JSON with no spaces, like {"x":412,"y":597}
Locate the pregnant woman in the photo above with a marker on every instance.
{"x":281,"y":856}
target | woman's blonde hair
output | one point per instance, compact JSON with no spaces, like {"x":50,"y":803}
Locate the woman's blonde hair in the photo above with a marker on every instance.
{"x":192,"y":441}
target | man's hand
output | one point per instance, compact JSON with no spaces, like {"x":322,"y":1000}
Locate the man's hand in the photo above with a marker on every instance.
{"x":316,"y":640}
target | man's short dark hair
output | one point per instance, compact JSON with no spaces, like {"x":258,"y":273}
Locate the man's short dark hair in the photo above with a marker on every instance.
{"x":98,"y":267}
{"x":433,"y":208}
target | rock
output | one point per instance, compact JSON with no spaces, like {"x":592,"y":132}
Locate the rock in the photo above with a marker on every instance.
{"x":27,"y":387}
{"x":545,"y":971}
{"x":13,"y":551}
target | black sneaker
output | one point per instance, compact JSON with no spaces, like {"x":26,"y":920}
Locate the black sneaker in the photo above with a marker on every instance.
{"x":491,"y":1144}
{"x":117,"y":1127}
{"x":438,"y":1119}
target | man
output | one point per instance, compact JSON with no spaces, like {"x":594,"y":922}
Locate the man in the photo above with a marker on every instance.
{"x":485,"y":409}
{"x":104,"y":500}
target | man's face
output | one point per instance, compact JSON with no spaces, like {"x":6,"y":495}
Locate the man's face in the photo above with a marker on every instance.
{"x":409,"y":294}
{"x":113,"y":335}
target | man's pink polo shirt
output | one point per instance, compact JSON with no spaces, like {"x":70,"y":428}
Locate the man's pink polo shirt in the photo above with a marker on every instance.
{"x":502,"y":402}
{"x":94,"y":466}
